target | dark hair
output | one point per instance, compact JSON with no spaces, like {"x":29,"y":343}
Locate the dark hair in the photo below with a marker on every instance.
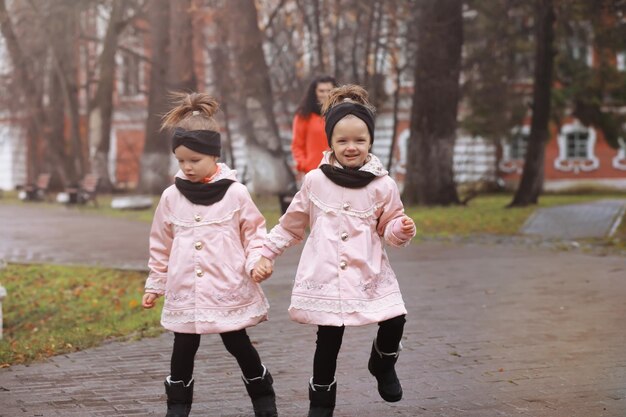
{"x":192,"y":111}
{"x":309,"y":103}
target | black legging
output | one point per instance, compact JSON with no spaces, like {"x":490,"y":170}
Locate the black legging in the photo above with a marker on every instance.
{"x":237,"y":343}
{"x":329,"y":340}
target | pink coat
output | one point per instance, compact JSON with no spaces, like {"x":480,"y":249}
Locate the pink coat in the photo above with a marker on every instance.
{"x":201,"y":258}
{"x":344,"y":276}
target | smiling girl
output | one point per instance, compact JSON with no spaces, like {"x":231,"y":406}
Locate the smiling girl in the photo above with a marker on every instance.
{"x":344,"y":278}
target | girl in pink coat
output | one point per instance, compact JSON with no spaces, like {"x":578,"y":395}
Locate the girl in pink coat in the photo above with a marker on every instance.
{"x":205,"y":240}
{"x":344,"y":277}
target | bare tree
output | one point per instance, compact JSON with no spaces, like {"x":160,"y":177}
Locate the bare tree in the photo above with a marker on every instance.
{"x":102,"y":106}
{"x":155,"y":160}
{"x":430,"y":177}
{"x":60,"y":29}
{"x":255,"y":102}
{"x":181,"y":68}
{"x":32,"y":110}
{"x":531,"y":184}
{"x":172,"y":69}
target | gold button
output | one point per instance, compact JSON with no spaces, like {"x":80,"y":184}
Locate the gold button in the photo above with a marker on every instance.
{"x":343,"y":264}
{"x":197,"y":217}
{"x":344,"y":236}
{"x":198,"y":245}
{"x":346,"y":206}
{"x":199,"y":272}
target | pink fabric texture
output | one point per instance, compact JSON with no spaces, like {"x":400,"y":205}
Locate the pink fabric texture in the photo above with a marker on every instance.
{"x":201,"y":258}
{"x":344,"y":276}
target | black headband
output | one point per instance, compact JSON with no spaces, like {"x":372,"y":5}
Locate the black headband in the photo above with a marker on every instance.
{"x":203,"y":141}
{"x":335,"y":114}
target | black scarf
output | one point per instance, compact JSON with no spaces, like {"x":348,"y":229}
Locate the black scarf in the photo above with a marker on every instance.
{"x":349,"y":178}
{"x":203,"y":194}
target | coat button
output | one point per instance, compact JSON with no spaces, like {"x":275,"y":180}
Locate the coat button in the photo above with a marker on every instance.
{"x":343,"y":264}
{"x":344,"y":236}
{"x":199,"y":272}
{"x":346,"y":206}
{"x":197,"y":245}
{"x":197,"y":217}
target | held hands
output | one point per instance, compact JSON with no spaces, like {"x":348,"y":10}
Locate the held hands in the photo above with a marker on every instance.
{"x":262,"y":270}
{"x":408,"y":225}
{"x":149,"y":300}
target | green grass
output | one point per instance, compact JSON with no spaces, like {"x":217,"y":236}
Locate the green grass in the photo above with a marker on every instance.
{"x":487,"y":214}
{"x":51,"y":310}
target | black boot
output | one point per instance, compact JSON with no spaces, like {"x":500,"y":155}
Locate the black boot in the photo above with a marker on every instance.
{"x":262,"y":394}
{"x":322,"y":398}
{"x":382,"y":366}
{"x":179,"y":398}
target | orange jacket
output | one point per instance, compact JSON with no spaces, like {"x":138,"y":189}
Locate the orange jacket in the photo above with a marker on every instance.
{"x":309,"y":141}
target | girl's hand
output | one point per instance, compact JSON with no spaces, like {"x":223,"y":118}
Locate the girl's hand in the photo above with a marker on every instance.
{"x":408,"y":225}
{"x":149,"y":300}
{"x":262,"y":270}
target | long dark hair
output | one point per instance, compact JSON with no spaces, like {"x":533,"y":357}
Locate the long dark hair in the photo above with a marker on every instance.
{"x":309,"y":103}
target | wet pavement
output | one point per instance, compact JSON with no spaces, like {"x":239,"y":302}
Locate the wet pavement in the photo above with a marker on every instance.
{"x":492,"y":330}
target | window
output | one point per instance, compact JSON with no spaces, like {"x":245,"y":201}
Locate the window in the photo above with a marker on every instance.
{"x":576,"y":149}
{"x":621,"y":61}
{"x":130,"y":77}
{"x":577,"y":144}
{"x":518,"y":143}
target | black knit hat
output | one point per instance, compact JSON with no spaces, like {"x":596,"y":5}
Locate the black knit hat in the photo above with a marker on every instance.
{"x":203,"y":141}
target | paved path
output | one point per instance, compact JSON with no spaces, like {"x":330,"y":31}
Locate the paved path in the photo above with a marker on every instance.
{"x":596,"y":219}
{"x":32,"y":233}
{"x":491,"y":331}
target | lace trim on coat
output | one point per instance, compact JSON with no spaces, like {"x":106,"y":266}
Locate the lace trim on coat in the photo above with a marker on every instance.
{"x":156,"y":282}
{"x":346,"y":306}
{"x":177,"y":297}
{"x":226,"y":316}
{"x":392,"y":239}
{"x":278,"y":241}
{"x":311,"y":284}
{"x":386,"y":278}
{"x":326,"y":208}
{"x":191,"y":223}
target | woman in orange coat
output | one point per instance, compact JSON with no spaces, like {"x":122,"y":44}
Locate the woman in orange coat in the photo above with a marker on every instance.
{"x":309,"y":139}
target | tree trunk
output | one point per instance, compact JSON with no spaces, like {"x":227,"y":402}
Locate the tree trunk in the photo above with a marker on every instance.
{"x":155,"y":160}
{"x":34,"y":112}
{"x":181,"y":74}
{"x":531,"y":184}
{"x":55,"y":142}
{"x":221,"y":65}
{"x":61,"y":29}
{"x":266,"y":159}
{"x":430,"y":176}
{"x":102,"y":111}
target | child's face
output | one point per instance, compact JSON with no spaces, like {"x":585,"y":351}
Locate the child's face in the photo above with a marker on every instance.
{"x":351,"y":142}
{"x":196,"y":166}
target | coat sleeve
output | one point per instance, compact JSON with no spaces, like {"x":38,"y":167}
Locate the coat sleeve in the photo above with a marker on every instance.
{"x":252,"y":229}
{"x":161,"y":238}
{"x":298,"y":142}
{"x":291,"y":227}
{"x":391,"y":216}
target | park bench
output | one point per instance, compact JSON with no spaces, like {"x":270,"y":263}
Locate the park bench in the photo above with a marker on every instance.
{"x":37,"y":191}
